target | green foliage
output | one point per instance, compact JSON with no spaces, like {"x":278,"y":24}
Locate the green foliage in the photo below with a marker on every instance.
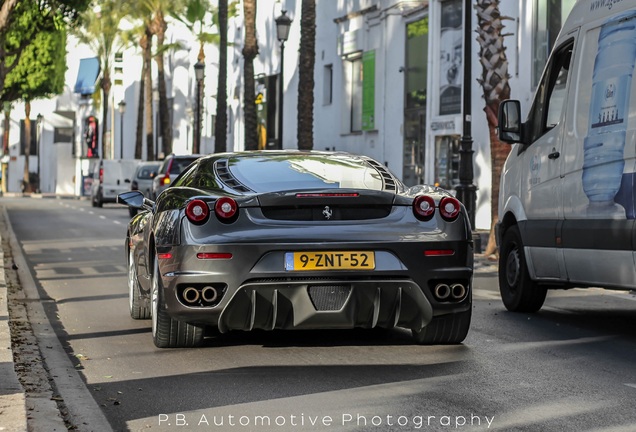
{"x":37,"y":62}
{"x":41,"y":68}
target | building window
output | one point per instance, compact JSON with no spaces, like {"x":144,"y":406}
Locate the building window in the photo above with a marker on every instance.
{"x":327,"y":85}
{"x":355,"y":94}
{"x":549,"y":16}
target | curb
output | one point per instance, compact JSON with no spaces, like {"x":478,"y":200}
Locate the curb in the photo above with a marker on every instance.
{"x":13,"y":416}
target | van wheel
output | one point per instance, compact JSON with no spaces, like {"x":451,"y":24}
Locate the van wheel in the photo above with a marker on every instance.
{"x":445,"y":329}
{"x":166,"y":331}
{"x":98,"y":200}
{"x":519,"y":293}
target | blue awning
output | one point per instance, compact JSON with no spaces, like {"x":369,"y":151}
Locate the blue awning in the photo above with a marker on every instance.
{"x":86,"y":76}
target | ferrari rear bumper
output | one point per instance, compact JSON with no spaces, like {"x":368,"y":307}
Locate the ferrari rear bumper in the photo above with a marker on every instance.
{"x":326,"y":304}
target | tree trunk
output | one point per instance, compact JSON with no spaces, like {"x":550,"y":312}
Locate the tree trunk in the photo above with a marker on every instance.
{"x":150,"y":145}
{"x":106,"y":86}
{"x":250,"y":51}
{"x":164,"y":112}
{"x":143,"y":42}
{"x":305,"y":131}
{"x":495,"y":84}
{"x":27,"y":147}
{"x":220,"y":126}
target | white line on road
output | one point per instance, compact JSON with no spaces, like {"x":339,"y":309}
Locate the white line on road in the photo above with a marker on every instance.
{"x":117,"y":222}
{"x":630,"y":385}
{"x":102,"y":217}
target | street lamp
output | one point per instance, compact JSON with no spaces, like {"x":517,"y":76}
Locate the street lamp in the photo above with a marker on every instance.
{"x":122,"y":110}
{"x":466,"y":190}
{"x":199,"y":73}
{"x":39,"y":120}
{"x":283,"y":23}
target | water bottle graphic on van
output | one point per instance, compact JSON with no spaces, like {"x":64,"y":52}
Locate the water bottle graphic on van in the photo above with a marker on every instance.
{"x":604,"y":146}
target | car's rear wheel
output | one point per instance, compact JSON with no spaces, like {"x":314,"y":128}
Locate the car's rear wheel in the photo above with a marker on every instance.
{"x":519,"y":293}
{"x":99,"y":202}
{"x":168,"y":332}
{"x":137,"y":307}
{"x":445,"y":329}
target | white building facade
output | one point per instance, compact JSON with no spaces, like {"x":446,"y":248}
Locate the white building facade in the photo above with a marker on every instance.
{"x":388,"y":84}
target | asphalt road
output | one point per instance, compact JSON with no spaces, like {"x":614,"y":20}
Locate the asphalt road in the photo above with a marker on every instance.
{"x":568,"y":368}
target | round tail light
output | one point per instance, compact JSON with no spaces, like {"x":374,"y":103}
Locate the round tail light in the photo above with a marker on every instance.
{"x":449,"y":208}
{"x":197,"y":211}
{"x":165,"y":180}
{"x":424,"y":207}
{"x":225,"y":209}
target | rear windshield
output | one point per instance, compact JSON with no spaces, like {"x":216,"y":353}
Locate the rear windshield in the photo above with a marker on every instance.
{"x":147,"y":172}
{"x":180,"y":164}
{"x":291,"y":172}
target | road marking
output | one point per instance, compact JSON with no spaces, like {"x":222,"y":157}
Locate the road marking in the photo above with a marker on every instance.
{"x":117,"y":222}
{"x":102,"y":217}
{"x":630,"y":385}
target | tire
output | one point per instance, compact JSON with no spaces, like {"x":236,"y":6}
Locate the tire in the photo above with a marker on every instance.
{"x":445,"y":329}
{"x":168,"y":332}
{"x":132,"y":212}
{"x":519,"y":293}
{"x":99,"y":202}
{"x":139,"y":309}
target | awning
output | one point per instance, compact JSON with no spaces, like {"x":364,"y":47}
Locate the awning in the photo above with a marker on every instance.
{"x":86,"y":76}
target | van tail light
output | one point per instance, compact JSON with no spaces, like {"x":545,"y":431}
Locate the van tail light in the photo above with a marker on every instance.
{"x":165,"y":180}
{"x":226,"y":209}
{"x":423,"y":207}
{"x":449,"y":208}
{"x":197,"y":211}
{"x":101,"y":175}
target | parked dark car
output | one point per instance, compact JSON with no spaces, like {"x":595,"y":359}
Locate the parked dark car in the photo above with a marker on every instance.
{"x":298,"y":240}
{"x":170,"y":168}
{"x":142,"y":180}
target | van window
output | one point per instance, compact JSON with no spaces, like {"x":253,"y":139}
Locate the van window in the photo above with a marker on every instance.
{"x":550,"y":97}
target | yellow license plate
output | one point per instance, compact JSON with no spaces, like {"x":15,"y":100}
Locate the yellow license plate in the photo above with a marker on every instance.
{"x":330,"y":260}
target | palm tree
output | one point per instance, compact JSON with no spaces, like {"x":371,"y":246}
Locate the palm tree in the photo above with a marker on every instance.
{"x":100,"y":32}
{"x":194,"y":19}
{"x":496,"y":87}
{"x":158,"y":27}
{"x":220,"y":126}
{"x":305,"y":131}
{"x":250,"y":51}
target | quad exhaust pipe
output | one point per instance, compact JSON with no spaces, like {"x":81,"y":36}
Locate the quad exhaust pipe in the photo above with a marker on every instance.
{"x":454,"y":292}
{"x":200,"y":296}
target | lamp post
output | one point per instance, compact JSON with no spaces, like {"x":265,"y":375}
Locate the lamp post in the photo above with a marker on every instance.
{"x":122,"y":110}
{"x":283,"y":23}
{"x":199,"y":73}
{"x":466,"y":190}
{"x":39,"y":119}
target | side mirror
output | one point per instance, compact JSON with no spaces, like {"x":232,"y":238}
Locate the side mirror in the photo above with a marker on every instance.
{"x":509,"y":121}
{"x":135,"y":199}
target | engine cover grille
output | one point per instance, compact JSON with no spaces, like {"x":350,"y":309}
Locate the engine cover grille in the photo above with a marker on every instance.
{"x":329,"y":297}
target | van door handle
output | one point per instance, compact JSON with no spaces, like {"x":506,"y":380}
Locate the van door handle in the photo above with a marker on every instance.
{"x":554,"y":155}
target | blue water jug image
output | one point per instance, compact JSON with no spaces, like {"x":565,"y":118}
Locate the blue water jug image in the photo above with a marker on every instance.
{"x":604,"y":146}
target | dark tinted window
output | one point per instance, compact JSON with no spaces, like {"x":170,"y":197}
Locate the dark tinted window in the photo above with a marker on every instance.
{"x":304,"y":171}
{"x":180,"y":164}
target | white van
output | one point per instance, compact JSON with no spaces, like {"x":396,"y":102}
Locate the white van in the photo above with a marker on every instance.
{"x":567,"y":213}
{"x":110,"y":178}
